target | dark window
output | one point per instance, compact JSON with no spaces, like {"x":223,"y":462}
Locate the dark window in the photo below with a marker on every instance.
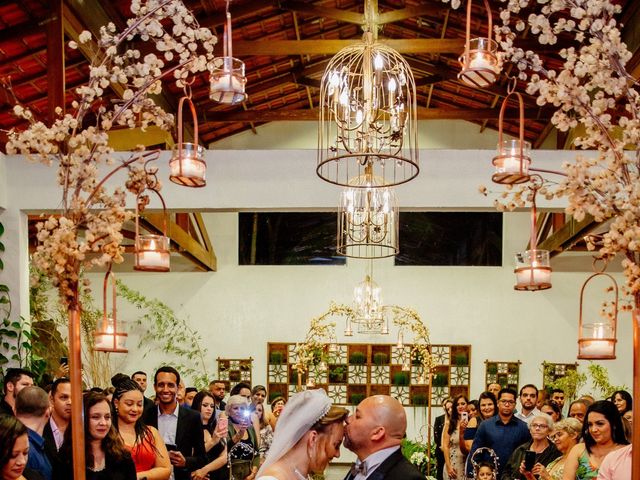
{"x":276,"y":238}
{"x":450,"y":238}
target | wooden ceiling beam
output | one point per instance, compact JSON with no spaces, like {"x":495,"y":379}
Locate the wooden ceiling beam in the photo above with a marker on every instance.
{"x":407,"y":12}
{"x":278,"y":48}
{"x":237,"y":13}
{"x":312,"y":115}
{"x":55,"y":61}
{"x":201,"y":255}
{"x":324,"y":12}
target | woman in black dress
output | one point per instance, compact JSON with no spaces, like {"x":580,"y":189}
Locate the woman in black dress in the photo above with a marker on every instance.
{"x":105,"y":454}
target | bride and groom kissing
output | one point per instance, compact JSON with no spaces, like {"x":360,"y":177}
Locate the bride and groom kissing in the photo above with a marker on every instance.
{"x":310,"y":431}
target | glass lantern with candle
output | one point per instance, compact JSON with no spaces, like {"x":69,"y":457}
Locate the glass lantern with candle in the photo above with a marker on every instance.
{"x":533,"y":270}
{"x":479,"y":62}
{"x":597,"y":341}
{"x":108,"y":340}
{"x":152,"y":253}
{"x":187,"y":166}
{"x":227,"y":76}
{"x":512,"y":162}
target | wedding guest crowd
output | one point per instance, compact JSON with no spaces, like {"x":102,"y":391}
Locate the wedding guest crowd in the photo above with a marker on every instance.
{"x":181,"y":433}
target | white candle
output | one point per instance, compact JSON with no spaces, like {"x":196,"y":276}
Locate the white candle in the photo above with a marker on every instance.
{"x":511,"y":165}
{"x":479,"y":61}
{"x":596,"y":348}
{"x":540,"y":276}
{"x":191,"y":168}
{"x":152,"y":259}
{"x":227,"y":86}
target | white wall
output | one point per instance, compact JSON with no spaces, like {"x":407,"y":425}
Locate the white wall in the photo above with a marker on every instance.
{"x":238,"y":309}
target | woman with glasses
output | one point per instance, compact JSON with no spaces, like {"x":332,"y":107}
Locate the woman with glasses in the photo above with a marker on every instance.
{"x":454,"y":429}
{"x":545,"y":451}
{"x":602,"y":433}
{"x":565,"y":436}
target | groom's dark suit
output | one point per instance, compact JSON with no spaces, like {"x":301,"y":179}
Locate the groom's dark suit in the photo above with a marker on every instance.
{"x":189,"y":438}
{"x":395,"y":467}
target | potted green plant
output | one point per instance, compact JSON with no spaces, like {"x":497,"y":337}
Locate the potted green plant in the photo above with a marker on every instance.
{"x":492,"y":369}
{"x":440,"y":380}
{"x":337,"y":374}
{"x":356,"y":398}
{"x":381,"y":358}
{"x":419,"y":399}
{"x":276,"y":357}
{"x":400,"y":379}
{"x":460,"y":359}
{"x":357,"y":358}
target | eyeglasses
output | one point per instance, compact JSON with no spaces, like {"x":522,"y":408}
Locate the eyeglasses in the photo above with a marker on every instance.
{"x":539,"y":426}
{"x":508,"y":402}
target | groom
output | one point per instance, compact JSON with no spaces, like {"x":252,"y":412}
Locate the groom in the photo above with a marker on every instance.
{"x":374,"y":434}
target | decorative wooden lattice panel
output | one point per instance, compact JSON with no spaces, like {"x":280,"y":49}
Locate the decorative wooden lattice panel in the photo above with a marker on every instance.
{"x":234,"y":370}
{"x":506,"y":374}
{"x":357,"y":370}
{"x":554,"y":371}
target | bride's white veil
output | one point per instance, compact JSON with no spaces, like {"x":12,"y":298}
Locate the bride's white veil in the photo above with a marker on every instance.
{"x":300,"y":413}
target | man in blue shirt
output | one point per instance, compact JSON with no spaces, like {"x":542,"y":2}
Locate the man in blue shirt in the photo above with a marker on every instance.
{"x":503,"y":433}
{"x":33,"y":409}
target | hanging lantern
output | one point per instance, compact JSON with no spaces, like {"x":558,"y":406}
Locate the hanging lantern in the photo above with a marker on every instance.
{"x":479,"y":62}
{"x":400,"y":343}
{"x":368,"y":115}
{"x":368,"y":222}
{"x":107,"y":338}
{"x":368,"y":308}
{"x":227,"y":76}
{"x":348,"y":331}
{"x":533,"y":268}
{"x":597,"y":340}
{"x":513,"y":158}
{"x":152,"y":251}
{"x":187,"y":163}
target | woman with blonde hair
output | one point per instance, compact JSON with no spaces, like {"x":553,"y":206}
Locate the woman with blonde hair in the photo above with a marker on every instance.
{"x":309,"y":435}
{"x":565,"y":436}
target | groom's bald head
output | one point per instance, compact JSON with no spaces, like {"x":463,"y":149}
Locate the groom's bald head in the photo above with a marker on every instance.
{"x":379,"y":422}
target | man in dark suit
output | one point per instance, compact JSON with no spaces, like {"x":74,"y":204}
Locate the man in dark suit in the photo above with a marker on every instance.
{"x":438,"y":427}
{"x":140,"y":378}
{"x":180,"y":428}
{"x":374,"y":434}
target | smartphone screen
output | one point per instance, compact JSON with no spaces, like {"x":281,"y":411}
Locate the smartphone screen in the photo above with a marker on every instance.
{"x":529,"y":460}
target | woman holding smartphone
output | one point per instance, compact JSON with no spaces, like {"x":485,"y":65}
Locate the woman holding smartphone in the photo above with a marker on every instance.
{"x":538,"y":450}
{"x":215,"y":438}
{"x":242,"y":441}
{"x":453,"y":430}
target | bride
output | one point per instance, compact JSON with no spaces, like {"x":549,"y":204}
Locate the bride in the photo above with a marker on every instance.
{"x":308,"y":437}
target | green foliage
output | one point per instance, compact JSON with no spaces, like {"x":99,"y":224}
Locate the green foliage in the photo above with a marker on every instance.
{"x":570,"y":383}
{"x":337,"y":373}
{"x":440,"y":380}
{"x":276,"y":358}
{"x":460,"y":359}
{"x":600,"y":380}
{"x":419,"y":399}
{"x":357,"y":358}
{"x":356,"y":398}
{"x":416,"y":453}
{"x":164,"y":331}
{"x":17,"y":345}
{"x":381,"y":358}
{"x":400,"y":379}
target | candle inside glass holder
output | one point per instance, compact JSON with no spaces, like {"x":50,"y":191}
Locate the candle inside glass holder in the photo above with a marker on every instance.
{"x":228,"y":81}
{"x":512,"y":162}
{"x":597,"y":341}
{"x":533,"y":270}
{"x":187,"y":165}
{"x":152,"y":253}
{"x":480,"y":66}
{"x":103,"y":341}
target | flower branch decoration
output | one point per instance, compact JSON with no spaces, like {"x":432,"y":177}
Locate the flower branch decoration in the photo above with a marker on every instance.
{"x":319,"y":343}
{"x":87,"y":232}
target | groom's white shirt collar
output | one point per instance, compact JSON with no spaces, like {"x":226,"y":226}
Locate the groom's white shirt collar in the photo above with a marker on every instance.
{"x":374,"y":460}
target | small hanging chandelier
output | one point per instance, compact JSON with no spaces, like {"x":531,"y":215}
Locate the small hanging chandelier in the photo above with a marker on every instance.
{"x":369,"y":312}
{"x":533,"y":269}
{"x":597,"y":341}
{"x":228,"y":80}
{"x":368,"y":219}
{"x":187,"y":163}
{"x":151,"y":252}
{"x":479,"y":62}
{"x":513,"y":158}
{"x":368,"y":113}
{"x":107,"y":337}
